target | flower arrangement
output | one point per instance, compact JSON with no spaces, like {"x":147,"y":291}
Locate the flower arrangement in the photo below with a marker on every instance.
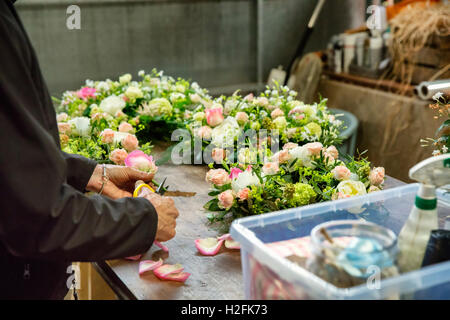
{"x":293,"y":177}
{"x":124,"y":115}
{"x":441,"y":143}
{"x":114,"y":121}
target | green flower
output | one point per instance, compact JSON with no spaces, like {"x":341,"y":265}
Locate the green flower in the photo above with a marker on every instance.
{"x":157,"y":107}
{"x":314,"y":129}
{"x":133,"y":93}
{"x":299,"y":194}
{"x":281,"y":123}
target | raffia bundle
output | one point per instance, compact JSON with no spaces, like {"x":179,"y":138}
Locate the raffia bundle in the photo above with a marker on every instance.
{"x":411,"y":30}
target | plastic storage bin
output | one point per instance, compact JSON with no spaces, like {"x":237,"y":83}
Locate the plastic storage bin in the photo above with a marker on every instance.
{"x":389,"y":208}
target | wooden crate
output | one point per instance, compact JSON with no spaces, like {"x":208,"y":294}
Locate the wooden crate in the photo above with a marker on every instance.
{"x":430,"y":59}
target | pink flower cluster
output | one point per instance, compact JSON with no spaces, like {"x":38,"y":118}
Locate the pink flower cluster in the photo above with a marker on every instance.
{"x":86,"y":92}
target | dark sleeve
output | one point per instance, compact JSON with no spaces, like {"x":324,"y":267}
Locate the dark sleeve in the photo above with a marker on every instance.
{"x":79,"y":170}
{"x":41,"y":215}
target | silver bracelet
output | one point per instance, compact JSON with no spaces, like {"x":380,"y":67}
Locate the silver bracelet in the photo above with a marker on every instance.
{"x":104,"y":179}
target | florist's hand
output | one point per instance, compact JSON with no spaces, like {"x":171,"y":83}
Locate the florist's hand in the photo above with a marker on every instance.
{"x":120,"y":183}
{"x":166,"y":210}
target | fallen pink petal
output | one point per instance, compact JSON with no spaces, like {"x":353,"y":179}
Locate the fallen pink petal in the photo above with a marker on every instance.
{"x":149,"y":265}
{"x":180,"y":277}
{"x":226,"y":236}
{"x":209,"y":246}
{"x":134,"y":258}
{"x":231,"y":244}
{"x":161,"y":246}
{"x":166,"y":269}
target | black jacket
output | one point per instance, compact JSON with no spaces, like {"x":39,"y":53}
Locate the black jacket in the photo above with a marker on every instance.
{"x":46,"y":221}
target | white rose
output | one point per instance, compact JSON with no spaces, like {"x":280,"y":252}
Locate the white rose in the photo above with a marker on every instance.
{"x":102,"y":86}
{"x":133,"y":93}
{"x":244,"y":180}
{"x":80,"y":126}
{"x":112,"y":105}
{"x":245,"y":155}
{"x":302,"y":154}
{"x":125,"y":78}
{"x":119,"y":136}
{"x":224,"y":134}
{"x":351,"y":188}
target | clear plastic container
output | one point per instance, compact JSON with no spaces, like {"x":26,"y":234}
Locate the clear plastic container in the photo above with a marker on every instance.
{"x":389,"y":208}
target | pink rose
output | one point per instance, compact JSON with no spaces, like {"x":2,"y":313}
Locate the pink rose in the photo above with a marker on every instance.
{"x":125,"y":127}
{"x":297,"y":110}
{"x":218,"y":155}
{"x":281,"y":156}
{"x":107,"y":136}
{"x":341,"y":173}
{"x":62,"y":117}
{"x":214,"y":117}
{"x":243,"y":194}
{"x":241,"y":117}
{"x":218,"y":177}
{"x":249,"y":97}
{"x":299,"y":117}
{"x":234,"y":172}
{"x":130,"y":142}
{"x":329,"y":159}
{"x":86,"y":92}
{"x":277,"y":113}
{"x":226,"y":199}
{"x":118,"y":156}
{"x":203,"y":132}
{"x":64,"y":128}
{"x":314,"y":148}
{"x":290,"y":145}
{"x":270,"y":168}
{"x":331,"y":150}
{"x":376,"y":176}
{"x":262,"y":101}
{"x":140,"y":161}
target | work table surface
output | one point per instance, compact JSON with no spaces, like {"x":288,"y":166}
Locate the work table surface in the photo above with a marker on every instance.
{"x":216,"y":277}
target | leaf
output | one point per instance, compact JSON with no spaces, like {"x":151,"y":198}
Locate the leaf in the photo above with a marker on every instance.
{"x":213,"y":193}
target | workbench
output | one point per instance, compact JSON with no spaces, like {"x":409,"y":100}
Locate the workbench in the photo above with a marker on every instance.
{"x":216,"y":277}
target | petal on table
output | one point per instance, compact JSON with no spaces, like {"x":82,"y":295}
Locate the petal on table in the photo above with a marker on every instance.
{"x":180,"y":277}
{"x":231,"y":244}
{"x":134,"y":258}
{"x":166,"y":269}
{"x":149,"y":265}
{"x":226,"y":236}
{"x":208,"y":246}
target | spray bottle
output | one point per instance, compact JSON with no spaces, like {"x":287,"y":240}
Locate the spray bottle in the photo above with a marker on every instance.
{"x":413,"y":238}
